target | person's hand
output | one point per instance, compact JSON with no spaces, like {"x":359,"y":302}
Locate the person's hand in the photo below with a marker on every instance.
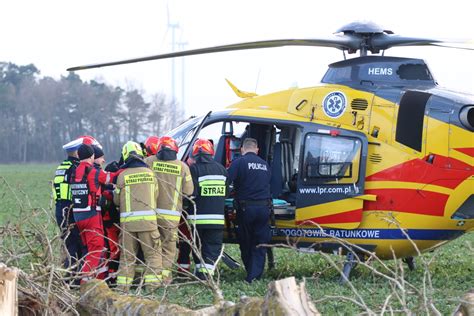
{"x":112,"y":167}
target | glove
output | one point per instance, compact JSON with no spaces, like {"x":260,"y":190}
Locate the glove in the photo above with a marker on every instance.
{"x":112,"y":167}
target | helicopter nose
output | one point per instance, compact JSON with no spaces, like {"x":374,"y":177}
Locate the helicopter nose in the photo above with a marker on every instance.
{"x":466,"y":115}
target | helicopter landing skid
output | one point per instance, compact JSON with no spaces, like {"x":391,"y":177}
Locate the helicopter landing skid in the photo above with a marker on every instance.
{"x":349,"y":264}
{"x":271,"y":259}
{"x":410,"y":261}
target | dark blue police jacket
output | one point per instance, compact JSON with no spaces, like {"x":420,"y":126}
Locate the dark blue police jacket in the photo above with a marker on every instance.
{"x":251,"y":177}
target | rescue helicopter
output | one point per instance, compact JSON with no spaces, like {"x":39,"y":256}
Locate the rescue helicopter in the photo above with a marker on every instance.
{"x":376,"y":154}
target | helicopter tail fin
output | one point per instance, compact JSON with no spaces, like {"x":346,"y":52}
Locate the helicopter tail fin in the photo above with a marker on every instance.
{"x":240,"y":93}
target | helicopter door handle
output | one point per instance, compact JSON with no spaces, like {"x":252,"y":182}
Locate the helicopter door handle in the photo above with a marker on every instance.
{"x":300,"y":105}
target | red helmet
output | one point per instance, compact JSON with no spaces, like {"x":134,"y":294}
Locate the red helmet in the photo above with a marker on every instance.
{"x":167,"y":142}
{"x":89,"y":140}
{"x":151,"y":145}
{"x":203,"y":146}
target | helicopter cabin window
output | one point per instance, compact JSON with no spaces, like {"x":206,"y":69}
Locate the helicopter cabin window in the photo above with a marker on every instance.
{"x":331,"y":159}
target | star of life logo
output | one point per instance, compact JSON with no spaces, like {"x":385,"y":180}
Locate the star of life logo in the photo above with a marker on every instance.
{"x":334,"y":104}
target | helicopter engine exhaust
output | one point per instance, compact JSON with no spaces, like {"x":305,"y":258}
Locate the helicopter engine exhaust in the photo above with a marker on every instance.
{"x":466,"y":115}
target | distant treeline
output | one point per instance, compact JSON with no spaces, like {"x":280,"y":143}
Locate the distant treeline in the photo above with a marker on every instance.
{"x":40,"y":114}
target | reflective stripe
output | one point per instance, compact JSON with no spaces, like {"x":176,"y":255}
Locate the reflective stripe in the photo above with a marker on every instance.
{"x":152,"y":195}
{"x":64,"y":191}
{"x":138,"y":216}
{"x":212,"y":182}
{"x":212,"y":177}
{"x":177,"y":192}
{"x":184,"y":265}
{"x":189,"y":178}
{"x":124,"y":280}
{"x":205,"y":268}
{"x":206,"y":216}
{"x":152,"y":278}
{"x":170,"y":217}
{"x":166,"y":273}
{"x":137,"y":213}
{"x":86,"y":209}
{"x":168,"y":212}
{"x":207,"y":221}
{"x":127,"y":199}
{"x":103,"y":269}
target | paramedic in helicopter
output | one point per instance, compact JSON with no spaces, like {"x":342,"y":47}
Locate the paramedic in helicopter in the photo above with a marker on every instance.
{"x":250,"y":175}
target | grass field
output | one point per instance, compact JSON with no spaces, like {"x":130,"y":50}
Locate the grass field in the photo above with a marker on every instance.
{"x":25,"y":189}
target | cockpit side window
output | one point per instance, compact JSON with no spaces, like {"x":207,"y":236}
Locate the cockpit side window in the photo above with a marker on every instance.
{"x":329,"y":159}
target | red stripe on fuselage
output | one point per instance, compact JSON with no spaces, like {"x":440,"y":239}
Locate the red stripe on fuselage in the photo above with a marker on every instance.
{"x":467,"y":151}
{"x":346,"y":217}
{"x":445,"y":172}
{"x":407,"y":201}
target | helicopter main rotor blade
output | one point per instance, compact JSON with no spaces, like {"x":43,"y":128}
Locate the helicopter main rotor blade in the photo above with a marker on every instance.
{"x":344,"y":42}
{"x":385,"y":41}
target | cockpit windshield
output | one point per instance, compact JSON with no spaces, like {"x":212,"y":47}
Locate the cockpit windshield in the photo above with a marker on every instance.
{"x":184,"y":133}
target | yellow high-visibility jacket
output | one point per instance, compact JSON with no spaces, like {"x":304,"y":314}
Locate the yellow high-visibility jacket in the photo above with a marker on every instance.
{"x":136,"y":194}
{"x":174,"y":181}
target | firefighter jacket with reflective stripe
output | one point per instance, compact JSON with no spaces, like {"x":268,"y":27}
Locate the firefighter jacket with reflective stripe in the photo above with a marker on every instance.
{"x":135,"y":194}
{"x":85,"y":190}
{"x":62,"y":179}
{"x":211,"y":186}
{"x":174,"y":181}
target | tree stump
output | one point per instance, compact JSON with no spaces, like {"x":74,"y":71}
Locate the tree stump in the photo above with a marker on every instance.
{"x":284,"y":297}
{"x":8,"y":291}
{"x":466,"y":308}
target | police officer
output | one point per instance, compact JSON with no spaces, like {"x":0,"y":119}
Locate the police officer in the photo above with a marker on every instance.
{"x":251,"y":177}
{"x":63,"y":199}
{"x":210,"y":191}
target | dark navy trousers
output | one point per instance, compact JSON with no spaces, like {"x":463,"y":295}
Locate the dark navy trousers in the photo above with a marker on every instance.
{"x":253,"y":230}
{"x":69,"y":234}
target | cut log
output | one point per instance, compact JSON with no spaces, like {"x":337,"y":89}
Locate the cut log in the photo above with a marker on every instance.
{"x":466,"y":308}
{"x":284,"y":297}
{"x":8,"y":290}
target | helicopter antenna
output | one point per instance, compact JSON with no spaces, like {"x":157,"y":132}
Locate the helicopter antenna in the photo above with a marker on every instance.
{"x":258,"y":79}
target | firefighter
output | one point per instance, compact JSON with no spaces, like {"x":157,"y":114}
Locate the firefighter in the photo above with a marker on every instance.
{"x":85,"y":191}
{"x":174,"y":180}
{"x":210,"y":191}
{"x":250,"y":175}
{"x":136,"y":194}
{"x":184,"y":242}
{"x":151,"y":145}
{"x":63,"y":201}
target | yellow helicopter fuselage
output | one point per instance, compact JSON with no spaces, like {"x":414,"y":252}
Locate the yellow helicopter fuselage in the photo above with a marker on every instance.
{"x":410,"y":196}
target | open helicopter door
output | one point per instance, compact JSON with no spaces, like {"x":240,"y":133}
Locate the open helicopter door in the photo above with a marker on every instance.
{"x":185,"y":137}
{"x":331,"y":181}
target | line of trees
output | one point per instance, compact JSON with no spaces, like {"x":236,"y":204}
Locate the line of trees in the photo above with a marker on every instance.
{"x":40,"y":114}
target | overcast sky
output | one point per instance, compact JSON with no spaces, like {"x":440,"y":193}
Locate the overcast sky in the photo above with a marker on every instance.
{"x":55,"y":35}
